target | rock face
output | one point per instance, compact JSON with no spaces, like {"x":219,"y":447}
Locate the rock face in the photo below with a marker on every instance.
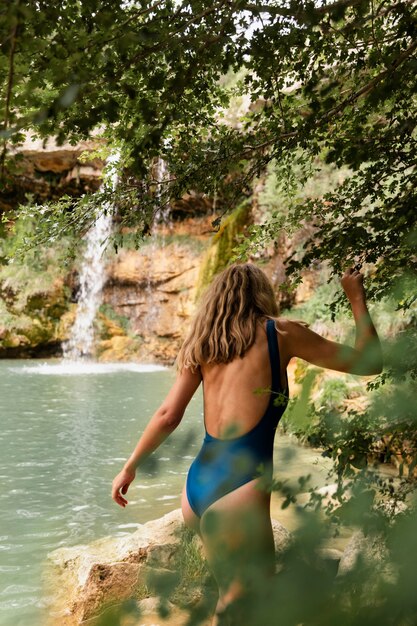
{"x":81,"y":581}
{"x":154,"y":288}
{"x":147,"y":300}
{"x":47,"y":171}
{"x":31,"y":318}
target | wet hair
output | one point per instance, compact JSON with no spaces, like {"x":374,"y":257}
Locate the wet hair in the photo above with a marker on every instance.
{"x":224,"y":325}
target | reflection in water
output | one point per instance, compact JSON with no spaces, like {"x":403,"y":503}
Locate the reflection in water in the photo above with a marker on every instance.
{"x":81,"y":448}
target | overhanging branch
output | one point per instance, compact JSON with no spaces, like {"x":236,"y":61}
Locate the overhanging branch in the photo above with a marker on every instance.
{"x":9,"y":88}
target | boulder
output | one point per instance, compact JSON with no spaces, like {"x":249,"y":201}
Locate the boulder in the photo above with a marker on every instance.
{"x":282,"y":538}
{"x":371,"y":554}
{"x":83,"y":579}
{"x":33,"y":315}
{"x":330,"y":558}
{"x":371,"y":549}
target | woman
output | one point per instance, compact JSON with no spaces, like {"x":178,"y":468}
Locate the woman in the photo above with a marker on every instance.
{"x":240,"y":349}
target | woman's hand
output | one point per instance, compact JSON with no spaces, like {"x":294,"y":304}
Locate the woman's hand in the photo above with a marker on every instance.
{"x":120,"y":485}
{"x":352,"y":283}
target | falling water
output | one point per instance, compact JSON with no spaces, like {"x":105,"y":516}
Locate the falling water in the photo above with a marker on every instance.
{"x":92,"y":278}
{"x":161,"y":174}
{"x":160,"y":223}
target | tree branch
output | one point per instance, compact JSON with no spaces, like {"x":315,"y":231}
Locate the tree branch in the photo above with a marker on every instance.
{"x":13,"y":40}
{"x":283,"y":12}
{"x":125,"y":23}
{"x":162,"y":44}
{"x":369,"y":86}
{"x":331,"y":112}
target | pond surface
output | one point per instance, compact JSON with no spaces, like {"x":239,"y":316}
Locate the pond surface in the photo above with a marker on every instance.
{"x":66,"y":431}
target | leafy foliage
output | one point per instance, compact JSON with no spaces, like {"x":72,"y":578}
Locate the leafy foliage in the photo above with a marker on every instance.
{"x":335,"y":80}
{"x":332,"y":82}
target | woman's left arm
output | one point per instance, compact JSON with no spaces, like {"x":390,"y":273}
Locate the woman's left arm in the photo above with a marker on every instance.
{"x":164,"y":421}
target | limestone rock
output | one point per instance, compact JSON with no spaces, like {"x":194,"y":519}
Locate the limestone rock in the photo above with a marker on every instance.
{"x":328,"y":493}
{"x":47,"y":171}
{"x":110,"y":328}
{"x":150,"y":605}
{"x":330,"y":554}
{"x":192,"y":203}
{"x":33,"y":314}
{"x":155,"y":289}
{"x":117,"y":348}
{"x":82,"y":579}
{"x":282,"y":537}
{"x":373,"y":553}
{"x":330,"y":558}
{"x":152,"y":265}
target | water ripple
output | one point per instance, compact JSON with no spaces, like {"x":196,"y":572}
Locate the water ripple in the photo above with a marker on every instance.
{"x":25,"y":513}
{"x":18,"y":589}
{"x":79,"y":368}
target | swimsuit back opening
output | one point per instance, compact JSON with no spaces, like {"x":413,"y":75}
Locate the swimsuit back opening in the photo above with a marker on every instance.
{"x":223,"y":465}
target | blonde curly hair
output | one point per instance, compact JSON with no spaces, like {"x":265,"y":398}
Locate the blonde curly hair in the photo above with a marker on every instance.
{"x":224,"y":325}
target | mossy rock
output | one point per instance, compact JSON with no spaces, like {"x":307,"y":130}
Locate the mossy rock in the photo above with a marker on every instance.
{"x":13,"y":340}
{"x":42,"y":330}
{"x":65,"y":323}
{"x":108,"y":328}
{"x":118,"y":348}
{"x":224,"y":242}
{"x":51,"y":304}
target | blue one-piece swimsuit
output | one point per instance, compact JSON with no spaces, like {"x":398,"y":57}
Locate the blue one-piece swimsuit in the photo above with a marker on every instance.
{"x":223,"y":465}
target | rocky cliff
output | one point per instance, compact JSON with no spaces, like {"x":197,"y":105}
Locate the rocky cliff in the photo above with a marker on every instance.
{"x":157,"y":287}
{"x":149,"y":295}
{"x":44,"y":170}
{"x":148,"y":298}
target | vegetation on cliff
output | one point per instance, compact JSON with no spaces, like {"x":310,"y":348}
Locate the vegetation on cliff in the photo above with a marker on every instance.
{"x":223,"y":244}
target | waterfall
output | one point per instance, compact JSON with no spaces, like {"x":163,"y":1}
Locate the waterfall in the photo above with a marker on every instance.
{"x":160,"y":224}
{"x":92,"y":277}
{"x":161,"y":175}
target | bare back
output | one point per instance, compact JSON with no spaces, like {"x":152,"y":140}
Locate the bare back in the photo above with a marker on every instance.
{"x":233,"y":403}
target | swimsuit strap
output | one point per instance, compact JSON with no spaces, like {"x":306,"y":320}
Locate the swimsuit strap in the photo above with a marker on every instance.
{"x":274,"y":356}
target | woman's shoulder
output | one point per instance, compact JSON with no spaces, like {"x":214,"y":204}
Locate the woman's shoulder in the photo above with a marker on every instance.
{"x":290,"y":332}
{"x":287,"y":325}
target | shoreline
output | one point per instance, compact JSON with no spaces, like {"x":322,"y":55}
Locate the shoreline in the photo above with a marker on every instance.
{"x":112,"y":575}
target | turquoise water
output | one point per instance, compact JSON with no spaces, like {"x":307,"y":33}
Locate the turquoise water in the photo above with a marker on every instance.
{"x":65,"y":433}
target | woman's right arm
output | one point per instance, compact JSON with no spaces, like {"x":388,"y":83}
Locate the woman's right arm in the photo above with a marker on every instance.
{"x":364,"y":359}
